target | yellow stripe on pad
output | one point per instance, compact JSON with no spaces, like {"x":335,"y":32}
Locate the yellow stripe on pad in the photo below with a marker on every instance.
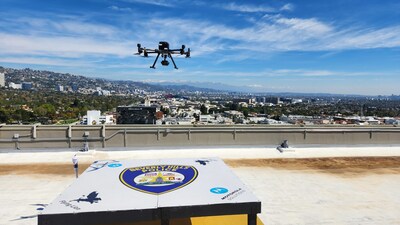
{"x":205,"y":220}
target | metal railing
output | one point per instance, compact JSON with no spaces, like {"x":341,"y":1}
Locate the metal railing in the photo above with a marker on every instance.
{"x":30,"y":136}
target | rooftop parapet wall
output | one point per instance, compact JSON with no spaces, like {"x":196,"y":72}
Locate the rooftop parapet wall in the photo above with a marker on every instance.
{"x":153,"y":136}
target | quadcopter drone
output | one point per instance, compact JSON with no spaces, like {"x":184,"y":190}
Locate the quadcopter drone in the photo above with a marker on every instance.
{"x":164,"y":51}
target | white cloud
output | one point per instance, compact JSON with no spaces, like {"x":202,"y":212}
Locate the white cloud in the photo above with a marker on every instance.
{"x":276,"y":33}
{"x":70,"y":26}
{"x":84,"y":28}
{"x":388,"y":37}
{"x":287,"y":7}
{"x":73,"y":37}
{"x":116,"y":8}
{"x":307,"y":73}
{"x":254,"y":85}
{"x":45,"y":61}
{"x":62,"y":46}
{"x":153,"y":2}
{"x":290,"y":73}
{"x":247,"y":8}
{"x":308,"y":25}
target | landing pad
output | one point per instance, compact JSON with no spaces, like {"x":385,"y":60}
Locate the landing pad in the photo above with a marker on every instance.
{"x":112,"y":192}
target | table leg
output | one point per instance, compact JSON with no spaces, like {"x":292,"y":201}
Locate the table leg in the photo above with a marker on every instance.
{"x":251,"y":219}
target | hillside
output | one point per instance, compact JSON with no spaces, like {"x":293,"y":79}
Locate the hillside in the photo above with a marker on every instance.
{"x":48,"y":80}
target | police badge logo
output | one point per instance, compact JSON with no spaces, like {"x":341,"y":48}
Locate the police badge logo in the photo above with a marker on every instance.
{"x":158,"y":179}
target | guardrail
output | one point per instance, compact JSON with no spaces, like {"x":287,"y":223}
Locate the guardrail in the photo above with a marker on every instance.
{"x":44,"y":136}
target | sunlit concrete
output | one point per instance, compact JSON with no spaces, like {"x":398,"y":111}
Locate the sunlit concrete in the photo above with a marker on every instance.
{"x":288,"y":196}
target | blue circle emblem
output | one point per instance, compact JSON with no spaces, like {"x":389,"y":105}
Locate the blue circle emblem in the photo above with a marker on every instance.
{"x":218,"y":190}
{"x":114,"y":165}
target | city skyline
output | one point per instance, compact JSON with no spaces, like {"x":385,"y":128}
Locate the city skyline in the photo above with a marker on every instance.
{"x":335,"y":47}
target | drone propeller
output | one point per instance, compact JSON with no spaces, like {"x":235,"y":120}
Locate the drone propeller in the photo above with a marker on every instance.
{"x":182,"y":50}
{"x":188,"y":53}
{"x":139,"y":49}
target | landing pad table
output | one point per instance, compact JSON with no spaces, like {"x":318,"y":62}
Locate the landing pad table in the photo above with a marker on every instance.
{"x":111,"y":192}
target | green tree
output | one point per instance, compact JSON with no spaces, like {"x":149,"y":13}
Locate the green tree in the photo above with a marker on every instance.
{"x":46,"y":110}
{"x":4,"y":118}
{"x":203,"y":109}
{"x":245,"y":112}
{"x":23,"y":116}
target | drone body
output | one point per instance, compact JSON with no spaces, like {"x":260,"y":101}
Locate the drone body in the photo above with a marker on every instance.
{"x":164,"y":51}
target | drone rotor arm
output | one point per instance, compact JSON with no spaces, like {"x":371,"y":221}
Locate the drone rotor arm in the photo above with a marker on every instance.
{"x":175,"y":51}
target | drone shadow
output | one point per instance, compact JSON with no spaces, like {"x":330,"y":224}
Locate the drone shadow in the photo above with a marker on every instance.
{"x":41,"y":207}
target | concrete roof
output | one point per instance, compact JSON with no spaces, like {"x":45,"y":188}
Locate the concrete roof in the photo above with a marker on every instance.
{"x":289,"y":195}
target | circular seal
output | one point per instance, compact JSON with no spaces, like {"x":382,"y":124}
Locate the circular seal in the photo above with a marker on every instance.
{"x":158,"y":179}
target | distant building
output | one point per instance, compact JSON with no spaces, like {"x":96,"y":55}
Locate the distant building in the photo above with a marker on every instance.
{"x":60,"y":88}
{"x":74,"y":87}
{"x":205,"y":118}
{"x":94,"y":117}
{"x":27,"y":86}
{"x":185,"y":120}
{"x":2,"y":80}
{"x":14,"y":85}
{"x":295,"y":101}
{"x":246,"y":100}
{"x":137,"y":114}
{"x":273,"y":100}
{"x":236,"y":116}
{"x":372,"y":121}
{"x":261,"y":99}
{"x":296,"y":119}
{"x":102,"y":93}
{"x":391,"y":121}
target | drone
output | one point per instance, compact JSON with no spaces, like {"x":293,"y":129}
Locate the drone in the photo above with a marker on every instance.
{"x":164,"y":51}
{"x":91,"y":198}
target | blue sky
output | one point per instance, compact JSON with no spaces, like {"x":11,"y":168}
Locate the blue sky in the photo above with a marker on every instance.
{"x":313,"y":46}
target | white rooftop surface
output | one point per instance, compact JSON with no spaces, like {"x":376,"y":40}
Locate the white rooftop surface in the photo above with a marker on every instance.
{"x":288,"y":196}
{"x":64,"y":156}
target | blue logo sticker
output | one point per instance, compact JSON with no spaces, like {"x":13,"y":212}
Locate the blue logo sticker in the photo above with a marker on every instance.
{"x":158,"y":179}
{"x":218,"y":190}
{"x":114,"y":165}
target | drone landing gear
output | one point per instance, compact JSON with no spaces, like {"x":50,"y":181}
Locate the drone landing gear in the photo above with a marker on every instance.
{"x":165,"y":61}
{"x":155,"y":61}
{"x":169,"y":54}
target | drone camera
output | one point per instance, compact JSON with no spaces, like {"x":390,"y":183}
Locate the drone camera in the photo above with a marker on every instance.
{"x":164,"y":63}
